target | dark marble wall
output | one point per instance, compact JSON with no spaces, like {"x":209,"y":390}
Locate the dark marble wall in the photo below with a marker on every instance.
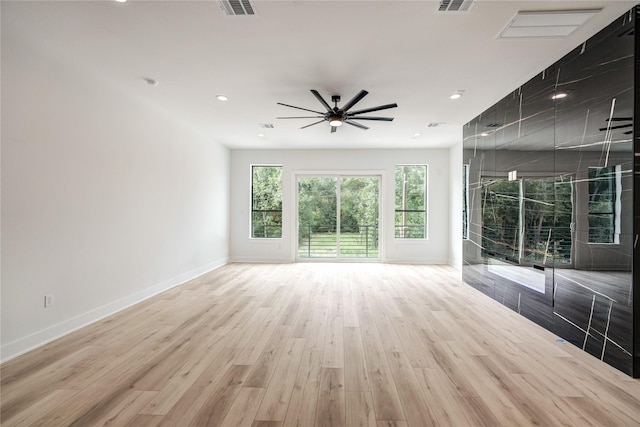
{"x":550,"y":198}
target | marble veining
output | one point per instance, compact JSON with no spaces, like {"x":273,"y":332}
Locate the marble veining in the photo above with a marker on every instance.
{"x":550,"y":204}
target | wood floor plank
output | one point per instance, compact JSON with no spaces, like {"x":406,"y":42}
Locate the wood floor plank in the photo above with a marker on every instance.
{"x":30,"y":415}
{"x":127,"y":409}
{"x":356,"y":377}
{"x":359,"y":409}
{"x":417,"y":409}
{"x":316,"y":344}
{"x":193,"y":399}
{"x":304,"y":398}
{"x":440,"y":394}
{"x":389,"y":423}
{"x":276,"y":399}
{"x":259,"y":423}
{"x":215,"y":408}
{"x":266,"y":364}
{"x":386,"y":401}
{"x":331,"y":399}
{"x":333,"y":350}
{"x":243,"y":410}
{"x":144,"y":420}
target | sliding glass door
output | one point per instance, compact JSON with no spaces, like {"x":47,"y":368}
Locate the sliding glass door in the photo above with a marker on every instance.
{"x":338,"y":217}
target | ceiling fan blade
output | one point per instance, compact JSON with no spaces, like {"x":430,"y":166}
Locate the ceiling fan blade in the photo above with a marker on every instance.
{"x":368,"y":110}
{"x":321,"y":99}
{"x":358,"y":125}
{"x":299,"y":108}
{"x":334,"y":128}
{"x":301,"y":117}
{"x":312,"y":124}
{"x":382,"y":119}
{"x":354,"y":100}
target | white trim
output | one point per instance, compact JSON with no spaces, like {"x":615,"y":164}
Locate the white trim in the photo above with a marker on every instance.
{"x":427,"y":204}
{"x":436,"y":261}
{"x":251,"y":166}
{"x":51,"y":333}
{"x":260,"y":260}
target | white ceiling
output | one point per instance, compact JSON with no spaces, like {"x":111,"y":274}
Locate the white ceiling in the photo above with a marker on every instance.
{"x":399,"y":51}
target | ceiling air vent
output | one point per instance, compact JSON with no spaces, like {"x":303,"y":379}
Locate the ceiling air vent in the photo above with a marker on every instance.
{"x":493,"y":125}
{"x":266,"y":125}
{"x":455,"y":5}
{"x":237,"y":7}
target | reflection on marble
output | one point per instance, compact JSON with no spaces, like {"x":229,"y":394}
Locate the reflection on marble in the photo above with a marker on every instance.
{"x":528,"y":277}
{"x":550,"y":198}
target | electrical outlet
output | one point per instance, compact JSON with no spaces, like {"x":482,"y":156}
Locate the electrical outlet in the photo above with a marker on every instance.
{"x":48,"y":300}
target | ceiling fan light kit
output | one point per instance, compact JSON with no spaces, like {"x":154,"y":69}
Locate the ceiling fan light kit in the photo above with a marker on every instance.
{"x":335,"y":121}
{"x":338,"y":116}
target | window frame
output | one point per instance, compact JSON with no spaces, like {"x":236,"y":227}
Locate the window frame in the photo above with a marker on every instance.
{"x":252,"y":209}
{"x":424,"y":211}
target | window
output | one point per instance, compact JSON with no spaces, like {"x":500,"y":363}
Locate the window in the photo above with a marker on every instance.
{"x":411,"y":201}
{"x":604,"y":195}
{"x":266,"y":201}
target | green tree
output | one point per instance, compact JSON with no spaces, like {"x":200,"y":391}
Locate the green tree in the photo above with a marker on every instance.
{"x":266,"y":203}
{"x":411,"y":193}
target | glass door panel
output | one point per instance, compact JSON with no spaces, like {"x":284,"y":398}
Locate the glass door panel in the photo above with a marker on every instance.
{"x":359,"y":217}
{"x":338,"y":217}
{"x":317,"y":221}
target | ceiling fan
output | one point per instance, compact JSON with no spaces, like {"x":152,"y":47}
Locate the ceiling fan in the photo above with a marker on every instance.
{"x":337,"y":116}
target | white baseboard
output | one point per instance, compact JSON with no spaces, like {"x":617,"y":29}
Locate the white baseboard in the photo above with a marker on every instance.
{"x":44,"y":336}
{"x":436,"y":261}
{"x":261,"y":260}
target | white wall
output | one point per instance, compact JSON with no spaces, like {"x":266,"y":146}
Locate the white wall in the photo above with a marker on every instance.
{"x":105,"y":201}
{"x":455,"y":205}
{"x":435,"y":249}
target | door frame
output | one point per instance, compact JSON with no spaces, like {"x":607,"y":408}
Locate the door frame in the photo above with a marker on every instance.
{"x":380,"y":174}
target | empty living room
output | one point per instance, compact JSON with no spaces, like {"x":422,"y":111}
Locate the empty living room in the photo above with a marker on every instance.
{"x":319,"y":213}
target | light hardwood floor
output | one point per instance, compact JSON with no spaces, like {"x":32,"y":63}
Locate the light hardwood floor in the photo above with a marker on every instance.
{"x":316,"y":345}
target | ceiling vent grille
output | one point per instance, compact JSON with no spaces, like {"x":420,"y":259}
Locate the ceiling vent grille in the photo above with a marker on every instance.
{"x":455,"y":5}
{"x":266,"y":125}
{"x":237,"y":7}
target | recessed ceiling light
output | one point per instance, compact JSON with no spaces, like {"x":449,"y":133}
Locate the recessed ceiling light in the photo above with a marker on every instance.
{"x":261,"y":135}
{"x":415,"y":135}
{"x":456,"y":95}
{"x":484,"y":134}
{"x":222,"y":98}
{"x":559,"y":95}
{"x":150,"y":82}
{"x":121,"y":1}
